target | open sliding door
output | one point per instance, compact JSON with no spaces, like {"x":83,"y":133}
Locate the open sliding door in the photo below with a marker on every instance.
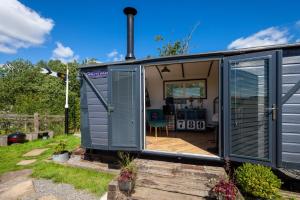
{"x":250,"y":107}
{"x":125,"y":108}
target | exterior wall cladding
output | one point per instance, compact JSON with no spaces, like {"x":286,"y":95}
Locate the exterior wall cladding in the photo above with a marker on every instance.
{"x":291,"y":111}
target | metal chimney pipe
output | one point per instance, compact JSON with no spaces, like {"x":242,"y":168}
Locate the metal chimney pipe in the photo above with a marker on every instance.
{"x":130,"y":12}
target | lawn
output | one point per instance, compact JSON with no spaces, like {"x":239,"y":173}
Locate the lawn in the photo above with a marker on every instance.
{"x":93,"y":181}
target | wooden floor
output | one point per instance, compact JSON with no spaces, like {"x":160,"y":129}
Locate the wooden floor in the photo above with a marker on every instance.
{"x":183,"y":142}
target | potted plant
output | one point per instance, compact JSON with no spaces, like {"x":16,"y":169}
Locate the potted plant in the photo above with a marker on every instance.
{"x":60,"y":153}
{"x":128,"y":173}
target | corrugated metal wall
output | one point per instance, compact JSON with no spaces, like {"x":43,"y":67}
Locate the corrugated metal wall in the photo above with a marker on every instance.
{"x":94,"y":117}
{"x":291,"y":111}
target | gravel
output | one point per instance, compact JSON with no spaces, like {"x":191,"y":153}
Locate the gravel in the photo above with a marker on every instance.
{"x":61,"y":191}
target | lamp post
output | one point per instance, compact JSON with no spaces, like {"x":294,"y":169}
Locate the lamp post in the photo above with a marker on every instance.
{"x":64,"y":77}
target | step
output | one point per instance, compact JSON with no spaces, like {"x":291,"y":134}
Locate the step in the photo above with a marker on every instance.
{"x":180,"y":185}
{"x":169,"y":168}
{"x":143,"y":193}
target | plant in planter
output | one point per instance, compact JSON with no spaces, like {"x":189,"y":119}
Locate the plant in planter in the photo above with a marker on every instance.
{"x":128,"y":173}
{"x":60,"y":153}
{"x":225,"y":190}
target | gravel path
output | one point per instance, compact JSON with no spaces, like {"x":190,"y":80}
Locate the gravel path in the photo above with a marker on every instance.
{"x":47,"y":188}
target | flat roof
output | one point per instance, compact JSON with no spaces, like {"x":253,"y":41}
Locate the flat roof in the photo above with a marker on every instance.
{"x":208,"y":55}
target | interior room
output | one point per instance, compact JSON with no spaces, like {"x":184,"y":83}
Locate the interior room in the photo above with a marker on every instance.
{"x":182,"y":107}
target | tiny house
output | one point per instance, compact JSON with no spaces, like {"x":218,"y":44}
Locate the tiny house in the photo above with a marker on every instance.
{"x":241,"y":104}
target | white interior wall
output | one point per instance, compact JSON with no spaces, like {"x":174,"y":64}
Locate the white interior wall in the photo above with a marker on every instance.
{"x":198,"y":70}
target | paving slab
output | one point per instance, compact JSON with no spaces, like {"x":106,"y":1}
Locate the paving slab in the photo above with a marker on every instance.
{"x":26,"y":162}
{"x":48,"y":197}
{"x":35,"y":152}
{"x":14,"y":185}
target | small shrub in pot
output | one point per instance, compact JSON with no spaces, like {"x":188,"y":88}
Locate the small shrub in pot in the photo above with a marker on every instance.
{"x":128,"y":173}
{"x":60,"y":153}
{"x":258,"y":181}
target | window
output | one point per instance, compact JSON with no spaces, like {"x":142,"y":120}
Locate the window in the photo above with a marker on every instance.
{"x":185,"y":89}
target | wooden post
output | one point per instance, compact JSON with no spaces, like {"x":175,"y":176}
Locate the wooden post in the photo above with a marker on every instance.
{"x":36,"y":122}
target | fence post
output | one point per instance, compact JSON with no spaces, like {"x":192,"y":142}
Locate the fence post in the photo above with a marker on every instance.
{"x":36,"y":122}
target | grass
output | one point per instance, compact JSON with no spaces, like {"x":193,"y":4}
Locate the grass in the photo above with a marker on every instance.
{"x":93,"y":181}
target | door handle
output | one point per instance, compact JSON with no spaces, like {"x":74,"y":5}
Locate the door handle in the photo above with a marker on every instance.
{"x":274,"y":112}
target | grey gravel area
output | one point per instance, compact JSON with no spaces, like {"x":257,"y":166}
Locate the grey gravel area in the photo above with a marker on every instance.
{"x":59,"y":191}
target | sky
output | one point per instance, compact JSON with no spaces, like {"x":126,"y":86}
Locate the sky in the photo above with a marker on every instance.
{"x":74,"y":29}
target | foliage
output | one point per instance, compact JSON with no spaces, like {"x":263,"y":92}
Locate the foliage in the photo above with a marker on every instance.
{"x":24,"y":90}
{"x":11,"y":155}
{"x":126,"y":175}
{"x":177,"y":47}
{"x":91,"y":180}
{"x":225,"y":189}
{"x":128,"y":168}
{"x":60,"y":147}
{"x":258,"y":181}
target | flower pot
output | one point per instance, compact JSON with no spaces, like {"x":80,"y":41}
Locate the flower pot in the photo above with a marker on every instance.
{"x":125,"y":186}
{"x":63,"y":157}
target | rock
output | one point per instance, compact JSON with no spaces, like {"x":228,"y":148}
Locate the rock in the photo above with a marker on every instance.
{"x":18,"y":190}
{"x":35,"y":152}
{"x":26,"y":162}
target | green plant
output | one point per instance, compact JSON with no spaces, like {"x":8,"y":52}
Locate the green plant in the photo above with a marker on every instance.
{"x":60,"y":147}
{"x":128,"y":168}
{"x":258,"y":181}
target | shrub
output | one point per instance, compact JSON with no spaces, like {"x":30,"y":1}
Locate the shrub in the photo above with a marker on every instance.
{"x":225,"y":189}
{"x":258,"y":181}
{"x":60,"y":147}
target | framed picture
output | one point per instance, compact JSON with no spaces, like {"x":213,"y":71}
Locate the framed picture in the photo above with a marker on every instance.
{"x":185,"y":89}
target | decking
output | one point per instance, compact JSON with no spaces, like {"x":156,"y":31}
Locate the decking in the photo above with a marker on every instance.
{"x":183,"y":142}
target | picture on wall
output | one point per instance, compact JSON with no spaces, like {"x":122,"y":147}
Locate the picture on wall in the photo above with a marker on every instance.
{"x":185,"y":89}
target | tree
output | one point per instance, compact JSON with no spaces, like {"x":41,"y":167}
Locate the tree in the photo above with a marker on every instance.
{"x":24,"y":90}
{"x":178,"y":47}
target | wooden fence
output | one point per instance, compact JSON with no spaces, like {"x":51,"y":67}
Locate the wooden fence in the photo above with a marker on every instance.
{"x":29,"y":123}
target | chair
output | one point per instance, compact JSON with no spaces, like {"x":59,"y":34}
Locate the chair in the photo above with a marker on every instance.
{"x":155,"y":118}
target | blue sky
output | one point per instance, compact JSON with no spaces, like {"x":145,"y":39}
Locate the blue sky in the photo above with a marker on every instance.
{"x":69,"y":29}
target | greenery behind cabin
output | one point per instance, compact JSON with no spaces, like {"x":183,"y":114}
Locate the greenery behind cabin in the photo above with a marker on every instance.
{"x":25,"y":90}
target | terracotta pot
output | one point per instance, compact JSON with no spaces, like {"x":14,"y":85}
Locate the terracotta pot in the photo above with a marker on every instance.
{"x":125,"y":186}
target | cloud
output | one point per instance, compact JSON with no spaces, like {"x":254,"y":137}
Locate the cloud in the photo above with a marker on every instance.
{"x":21,"y":27}
{"x":64,"y":54}
{"x":115,"y":56}
{"x":269,"y":36}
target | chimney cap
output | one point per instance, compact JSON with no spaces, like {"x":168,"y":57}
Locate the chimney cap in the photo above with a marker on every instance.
{"x":130,"y":10}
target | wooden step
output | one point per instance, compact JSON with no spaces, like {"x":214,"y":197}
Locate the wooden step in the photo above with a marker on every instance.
{"x":180,"y":185}
{"x":169,"y":168}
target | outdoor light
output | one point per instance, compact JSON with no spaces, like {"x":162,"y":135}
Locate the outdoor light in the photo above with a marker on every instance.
{"x":165,"y":69}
